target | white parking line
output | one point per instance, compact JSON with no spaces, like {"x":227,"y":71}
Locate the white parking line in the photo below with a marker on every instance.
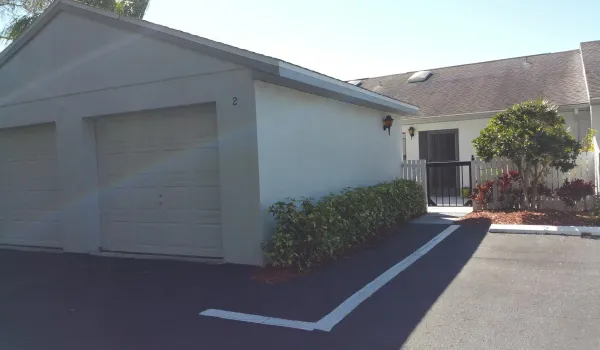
{"x":339,"y":313}
{"x":272,"y":321}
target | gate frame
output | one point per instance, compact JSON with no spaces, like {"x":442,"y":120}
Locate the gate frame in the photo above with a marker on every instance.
{"x":430,"y":202}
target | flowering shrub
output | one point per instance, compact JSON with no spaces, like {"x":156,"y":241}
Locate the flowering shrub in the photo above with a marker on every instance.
{"x":483,"y":194}
{"x":510,"y":191}
{"x":573,"y":192}
{"x":509,"y":187}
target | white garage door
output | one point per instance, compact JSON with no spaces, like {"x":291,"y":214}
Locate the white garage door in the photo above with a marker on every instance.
{"x":159,"y":180}
{"x":29,"y":192}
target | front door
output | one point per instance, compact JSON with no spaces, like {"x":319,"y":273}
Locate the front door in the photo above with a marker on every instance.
{"x":441,"y":146}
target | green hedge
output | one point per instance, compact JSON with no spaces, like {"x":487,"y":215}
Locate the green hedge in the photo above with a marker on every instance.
{"x":309,"y":232}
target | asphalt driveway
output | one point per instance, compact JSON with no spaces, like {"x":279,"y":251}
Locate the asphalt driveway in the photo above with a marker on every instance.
{"x":472,"y":290}
{"x":519,"y":292}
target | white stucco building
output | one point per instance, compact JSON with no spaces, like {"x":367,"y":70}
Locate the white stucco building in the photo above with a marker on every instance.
{"x":118,"y":136}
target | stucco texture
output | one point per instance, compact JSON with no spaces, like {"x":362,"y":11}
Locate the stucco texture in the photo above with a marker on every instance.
{"x":311,"y":146}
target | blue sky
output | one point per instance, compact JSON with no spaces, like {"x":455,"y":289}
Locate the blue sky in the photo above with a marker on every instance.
{"x":355,"y":39}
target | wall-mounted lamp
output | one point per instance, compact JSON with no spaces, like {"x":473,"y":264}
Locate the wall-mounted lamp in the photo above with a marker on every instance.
{"x":387,"y":123}
{"x":411,"y":132}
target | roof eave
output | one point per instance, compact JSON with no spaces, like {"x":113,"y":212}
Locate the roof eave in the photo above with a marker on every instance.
{"x":305,"y":76}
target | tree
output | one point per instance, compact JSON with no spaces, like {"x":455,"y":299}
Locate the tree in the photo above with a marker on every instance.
{"x":20,"y":14}
{"x":533,"y":136}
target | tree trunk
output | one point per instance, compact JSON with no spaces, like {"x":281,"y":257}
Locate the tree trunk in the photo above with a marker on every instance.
{"x":534,"y":190}
{"x":524,"y":179}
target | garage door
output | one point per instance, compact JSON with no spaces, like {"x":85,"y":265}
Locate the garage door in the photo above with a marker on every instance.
{"x":159,"y":181}
{"x":29,"y":192}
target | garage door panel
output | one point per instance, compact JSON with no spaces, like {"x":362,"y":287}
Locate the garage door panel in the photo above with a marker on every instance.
{"x":190,"y":179}
{"x":144,"y":198}
{"x":118,"y":233}
{"x":114,"y":199}
{"x":29,"y":188}
{"x":152,"y":167}
{"x":202,"y":198}
{"x":204,"y":217}
{"x":150,"y":216}
{"x":31,"y":233}
{"x":205,"y":198}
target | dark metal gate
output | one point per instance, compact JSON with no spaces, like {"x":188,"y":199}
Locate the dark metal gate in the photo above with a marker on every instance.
{"x":449,"y":184}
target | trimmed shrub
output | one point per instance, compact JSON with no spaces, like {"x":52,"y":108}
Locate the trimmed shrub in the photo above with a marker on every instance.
{"x":309,"y":232}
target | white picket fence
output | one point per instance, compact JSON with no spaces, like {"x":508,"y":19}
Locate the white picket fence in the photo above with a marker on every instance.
{"x":585,"y":170}
{"x":415,"y":170}
{"x":481,"y":172}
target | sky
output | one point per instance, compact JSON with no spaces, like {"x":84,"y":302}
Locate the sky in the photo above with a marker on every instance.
{"x":354,"y":39}
{"x":367,"y":38}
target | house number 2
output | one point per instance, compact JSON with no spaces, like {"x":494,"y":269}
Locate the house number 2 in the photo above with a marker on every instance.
{"x":235,"y":101}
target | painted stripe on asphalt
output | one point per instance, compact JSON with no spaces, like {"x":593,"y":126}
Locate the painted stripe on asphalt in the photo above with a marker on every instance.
{"x":271,"y":321}
{"x":339,"y":313}
{"x":334,"y":317}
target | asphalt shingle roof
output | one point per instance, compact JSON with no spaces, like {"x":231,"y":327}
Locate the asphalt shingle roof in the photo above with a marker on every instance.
{"x":591,"y":59}
{"x":493,"y":85}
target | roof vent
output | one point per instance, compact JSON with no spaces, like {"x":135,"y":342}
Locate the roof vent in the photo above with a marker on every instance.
{"x":355,"y":82}
{"x":419,"y":76}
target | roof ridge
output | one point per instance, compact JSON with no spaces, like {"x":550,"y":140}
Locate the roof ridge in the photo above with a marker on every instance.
{"x":468,"y":64}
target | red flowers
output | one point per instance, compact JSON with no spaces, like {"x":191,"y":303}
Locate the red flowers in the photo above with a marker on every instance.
{"x":574,"y":191}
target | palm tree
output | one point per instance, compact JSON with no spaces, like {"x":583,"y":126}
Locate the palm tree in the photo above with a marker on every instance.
{"x":25,"y":12}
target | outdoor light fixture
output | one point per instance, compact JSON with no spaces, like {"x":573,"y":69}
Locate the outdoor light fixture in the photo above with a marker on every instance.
{"x":387,"y":123}
{"x":411,"y":132}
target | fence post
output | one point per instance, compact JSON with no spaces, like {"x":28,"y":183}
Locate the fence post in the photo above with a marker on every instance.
{"x":422,"y":170}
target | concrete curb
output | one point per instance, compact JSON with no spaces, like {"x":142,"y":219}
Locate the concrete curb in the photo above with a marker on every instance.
{"x":582,"y":231}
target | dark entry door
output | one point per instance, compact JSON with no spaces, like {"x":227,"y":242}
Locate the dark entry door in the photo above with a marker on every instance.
{"x":441,"y":146}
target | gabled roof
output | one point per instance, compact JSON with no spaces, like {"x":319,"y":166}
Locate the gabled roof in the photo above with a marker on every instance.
{"x":490,"y":86}
{"x":590,"y":54}
{"x":275,"y":70}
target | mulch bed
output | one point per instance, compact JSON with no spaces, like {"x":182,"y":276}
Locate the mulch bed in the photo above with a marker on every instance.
{"x":524,"y":217}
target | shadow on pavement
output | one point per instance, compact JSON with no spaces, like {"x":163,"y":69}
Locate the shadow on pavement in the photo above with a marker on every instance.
{"x":386,"y":320}
{"x":51,"y":301}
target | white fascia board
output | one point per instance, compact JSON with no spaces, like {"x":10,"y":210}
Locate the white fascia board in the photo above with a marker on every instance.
{"x":481,"y":115}
{"x":450,"y":117}
{"x":306,"y":76}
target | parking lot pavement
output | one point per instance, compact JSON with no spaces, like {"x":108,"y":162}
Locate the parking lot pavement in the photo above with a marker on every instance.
{"x":472,"y":290}
{"x":65,"y":301}
{"x":519,"y":292}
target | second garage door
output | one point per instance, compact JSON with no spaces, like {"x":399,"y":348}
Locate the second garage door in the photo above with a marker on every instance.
{"x":29,"y":190}
{"x":159,"y":182}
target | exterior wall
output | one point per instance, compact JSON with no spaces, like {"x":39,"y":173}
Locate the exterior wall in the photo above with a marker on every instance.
{"x":595,"y":118}
{"x":595,"y":121}
{"x":470,"y":129}
{"x":70,"y":101}
{"x":311,"y":146}
{"x":578,"y":124}
{"x":72,"y":45}
{"x":467,"y":131}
